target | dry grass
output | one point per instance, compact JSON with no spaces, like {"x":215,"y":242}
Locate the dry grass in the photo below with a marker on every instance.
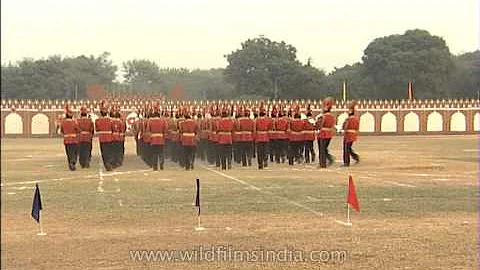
{"x":418,"y":198}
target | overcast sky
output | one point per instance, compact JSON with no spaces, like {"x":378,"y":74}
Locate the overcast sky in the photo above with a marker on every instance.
{"x":198,"y":33}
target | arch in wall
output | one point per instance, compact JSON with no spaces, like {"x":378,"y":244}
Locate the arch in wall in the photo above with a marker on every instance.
{"x":388,"y":123}
{"x":13,"y":124}
{"x":458,"y":122}
{"x":476,"y":122}
{"x":40,"y":124}
{"x":434,"y":122}
{"x":367,"y":122}
{"x":340,"y":119}
{"x":411,"y":122}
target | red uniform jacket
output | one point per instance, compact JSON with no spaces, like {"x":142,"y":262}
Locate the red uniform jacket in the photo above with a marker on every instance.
{"x":213,"y":129}
{"x":86,"y":129}
{"x":296,"y":130}
{"x":146,"y":131}
{"x":116,"y":129}
{"x":351,"y":127}
{"x":103,"y":126}
{"x":245,"y":128}
{"x":326,"y":126}
{"x":281,"y":126}
{"x":70,"y":131}
{"x":262,"y":126}
{"x":225,"y":127}
{"x":188,"y":131}
{"x":157,"y":127}
{"x":308,"y":130}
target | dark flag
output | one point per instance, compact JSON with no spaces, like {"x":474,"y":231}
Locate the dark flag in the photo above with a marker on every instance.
{"x":37,"y":204}
{"x":197,"y":197}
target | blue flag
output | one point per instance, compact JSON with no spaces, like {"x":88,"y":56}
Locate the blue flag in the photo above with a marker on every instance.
{"x":37,"y":204}
{"x":197,"y":198}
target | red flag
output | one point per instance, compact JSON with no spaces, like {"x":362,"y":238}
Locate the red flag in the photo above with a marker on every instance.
{"x":352,"y":195}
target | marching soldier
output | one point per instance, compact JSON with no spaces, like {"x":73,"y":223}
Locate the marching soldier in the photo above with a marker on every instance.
{"x":116,"y":137}
{"x":262,"y":127}
{"x":87,"y":130}
{"x":225,"y":127}
{"x":309,"y":136}
{"x":326,"y":126}
{"x":295,"y":138}
{"x":281,"y":126}
{"x":202,"y":135}
{"x":245,"y":128}
{"x":69,"y":128}
{"x":157,"y":126}
{"x":136,"y":132}
{"x":350,"y":128}
{"x":188,"y":130}
{"x":103,"y":127}
{"x":147,"y":153}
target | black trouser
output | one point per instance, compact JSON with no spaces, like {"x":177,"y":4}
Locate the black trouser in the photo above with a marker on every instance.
{"x":116,"y":153}
{"x":281,"y":147}
{"x":71,"y":150}
{"x":218,"y":152}
{"x":323,"y":152}
{"x":122,"y":146}
{"x":84,"y":153}
{"x":347,"y":152}
{"x":158,"y":157}
{"x":210,"y":152}
{"x":270,"y":150}
{"x":246,"y":153}
{"x":147,"y":154}
{"x":105,"y":149}
{"x":295,"y":151}
{"x":139,"y":147}
{"x":201,"y":149}
{"x":236,"y":152}
{"x":261,"y":154}
{"x":309,"y":151}
{"x":225,"y":155}
{"x":189,"y":156}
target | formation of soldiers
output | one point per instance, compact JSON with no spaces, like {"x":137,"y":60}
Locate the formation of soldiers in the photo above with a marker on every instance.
{"x":219,"y":134}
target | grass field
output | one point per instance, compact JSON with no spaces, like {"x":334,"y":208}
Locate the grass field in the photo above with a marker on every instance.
{"x":418,"y":198}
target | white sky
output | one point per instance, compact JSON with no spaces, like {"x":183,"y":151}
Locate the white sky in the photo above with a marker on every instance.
{"x":198,"y":33}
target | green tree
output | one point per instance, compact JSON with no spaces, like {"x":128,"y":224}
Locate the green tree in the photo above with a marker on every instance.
{"x":143,"y":76}
{"x":465,"y":80}
{"x":415,"y":56}
{"x":259,"y":67}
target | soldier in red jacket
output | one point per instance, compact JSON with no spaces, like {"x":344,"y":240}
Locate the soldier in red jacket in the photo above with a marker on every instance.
{"x":87,"y":130}
{"x":69,"y":128}
{"x":326,"y":126}
{"x":309,"y":136}
{"x":350,"y":127}
{"x":188,"y":130}
{"x":201,"y":149}
{"x":245,"y":128}
{"x":281,"y":125}
{"x":296,"y":138}
{"x":225,"y":127}
{"x":117,"y":130}
{"x":262,"y":127}
{"x":157,"y":126}
{"x":103,"y":127}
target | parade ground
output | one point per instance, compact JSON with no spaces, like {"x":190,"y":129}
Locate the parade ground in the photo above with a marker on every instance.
{"x":418,"y":210}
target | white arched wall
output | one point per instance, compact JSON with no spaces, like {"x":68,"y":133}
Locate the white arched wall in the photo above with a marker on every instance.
{"x":13,"y":124}
{"x":367,"y":122}
{"x":458,"y":122}
{"x":411,"y":122}
{"x":434,"y":122}
{"x":389,"y":123}
{"x":340,"y":119}
{"x":476,"y":122}
{"x":40,"y":124}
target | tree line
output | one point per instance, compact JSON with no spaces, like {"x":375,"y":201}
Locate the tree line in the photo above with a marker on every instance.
{"x":261,"y":68}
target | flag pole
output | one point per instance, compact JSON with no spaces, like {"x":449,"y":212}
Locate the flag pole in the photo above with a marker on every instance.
{"x":40,"y":228}
{"x":348,"y":215}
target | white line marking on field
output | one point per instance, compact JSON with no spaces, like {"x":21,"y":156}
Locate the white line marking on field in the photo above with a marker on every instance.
{"x":442,"y":179}
{"x":387,"y":199}
{"x":400,"y":184}
{"x":48,"y":166}
{"x":11,"y":193}
{"x":18,"y":159}
{"x":320,"y":214}
{"x":22,"y":188}
{"x":47,"y":180}
{"x":29,"y":156}
{"x":471,"y":150}
{"x":120,"y":203}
